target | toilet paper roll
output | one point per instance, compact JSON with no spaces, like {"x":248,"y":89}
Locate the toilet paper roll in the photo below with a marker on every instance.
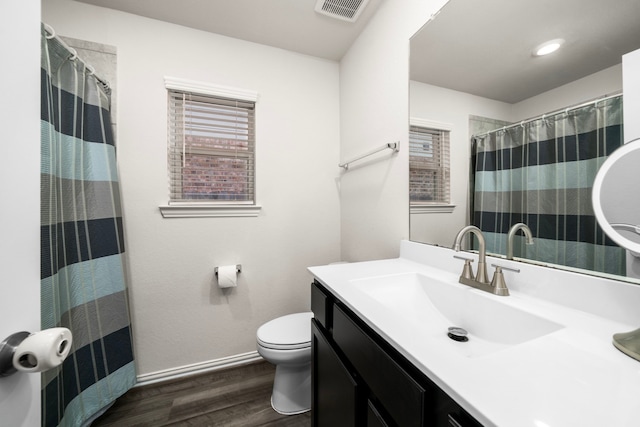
{"x":43,"y":350}
{"x":227,"y":276}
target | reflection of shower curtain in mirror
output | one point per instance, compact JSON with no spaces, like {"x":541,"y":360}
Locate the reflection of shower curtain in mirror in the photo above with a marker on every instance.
{"x":81,"y":237}
{"x":541,"y":173}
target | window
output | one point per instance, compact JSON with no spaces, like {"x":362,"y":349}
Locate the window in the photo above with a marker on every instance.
{"x":211,"y":150}
{"x":429,"y":172}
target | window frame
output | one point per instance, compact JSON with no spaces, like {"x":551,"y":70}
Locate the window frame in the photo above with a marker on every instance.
{"x":437,"y":206}
{"x":210,"y":208}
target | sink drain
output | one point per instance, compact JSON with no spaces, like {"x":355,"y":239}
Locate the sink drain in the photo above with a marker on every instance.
{"x":457,"y":334}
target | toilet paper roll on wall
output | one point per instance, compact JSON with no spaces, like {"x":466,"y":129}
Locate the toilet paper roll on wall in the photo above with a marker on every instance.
{"x":228,"y":276}
{"x":43,"y":350}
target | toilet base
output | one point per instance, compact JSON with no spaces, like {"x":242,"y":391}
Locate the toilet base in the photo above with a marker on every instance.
{"x":292,"y":389}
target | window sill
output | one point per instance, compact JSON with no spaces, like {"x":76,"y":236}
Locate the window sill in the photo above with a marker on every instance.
{"x":428,"y":209}
{"x":205,"y":210}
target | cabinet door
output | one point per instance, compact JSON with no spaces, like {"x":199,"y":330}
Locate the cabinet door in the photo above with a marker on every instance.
{"x":333,"y":388}
{"x":374,"y":419}
{"x":401,"y":396}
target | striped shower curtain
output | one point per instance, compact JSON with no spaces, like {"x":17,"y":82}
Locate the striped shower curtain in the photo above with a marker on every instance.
{"x":82,"y":248}
{"x":541,"y":173}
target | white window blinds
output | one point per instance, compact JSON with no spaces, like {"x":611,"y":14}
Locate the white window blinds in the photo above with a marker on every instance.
{"x":429,"y":175}
{"x":211,"y":148}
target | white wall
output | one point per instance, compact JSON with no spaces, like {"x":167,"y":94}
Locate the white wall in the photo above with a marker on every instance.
{"x":631,"y":70}
{"x":605,"y":82}
{"x":374,"y":110}
{"x":20,"y":213}
{"x":179,"y":318}
{"x":631,"y":82}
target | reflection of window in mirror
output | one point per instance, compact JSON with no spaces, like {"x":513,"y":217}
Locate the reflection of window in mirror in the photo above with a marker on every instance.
{"x":429,"y":172}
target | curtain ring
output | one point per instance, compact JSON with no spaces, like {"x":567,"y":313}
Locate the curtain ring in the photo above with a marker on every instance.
{"x":91,"y":70}
{"x":74,"y":54}
{"x":49,"y":29}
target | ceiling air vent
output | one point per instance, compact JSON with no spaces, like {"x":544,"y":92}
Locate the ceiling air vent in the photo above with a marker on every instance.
{"x":345,"y":10}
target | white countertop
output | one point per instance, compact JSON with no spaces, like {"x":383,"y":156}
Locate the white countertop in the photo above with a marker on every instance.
{"x":571,"y":377}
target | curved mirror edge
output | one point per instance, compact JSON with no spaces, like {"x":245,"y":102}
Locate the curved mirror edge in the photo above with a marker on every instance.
{"x":615,"y":197}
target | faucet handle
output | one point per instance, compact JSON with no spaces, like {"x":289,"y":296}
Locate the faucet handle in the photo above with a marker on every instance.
{"x":498,"y":283}
{"x":467,"y":270}
{"x":501,"y":267}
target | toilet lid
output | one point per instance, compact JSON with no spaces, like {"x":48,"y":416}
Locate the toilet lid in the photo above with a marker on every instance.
{"x":287,"y":332}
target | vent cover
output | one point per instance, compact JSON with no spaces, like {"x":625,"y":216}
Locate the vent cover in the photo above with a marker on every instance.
{"x":345,"y":10}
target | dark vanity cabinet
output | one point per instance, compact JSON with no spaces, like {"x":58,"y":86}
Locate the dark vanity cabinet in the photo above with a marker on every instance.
{"x":358,"y":379}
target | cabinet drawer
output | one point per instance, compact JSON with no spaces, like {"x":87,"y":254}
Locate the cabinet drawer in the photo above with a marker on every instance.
{"x":320,"y":305}
{"x":401,"y":396}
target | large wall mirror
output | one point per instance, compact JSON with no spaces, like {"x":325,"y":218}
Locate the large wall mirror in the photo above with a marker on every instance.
{"x":473,"y":72}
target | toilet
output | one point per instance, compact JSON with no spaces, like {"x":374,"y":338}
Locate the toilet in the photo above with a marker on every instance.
{"x":286,"y":343}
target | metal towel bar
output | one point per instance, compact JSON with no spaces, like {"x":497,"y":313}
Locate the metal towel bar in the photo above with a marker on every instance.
{"x":395,"y":146}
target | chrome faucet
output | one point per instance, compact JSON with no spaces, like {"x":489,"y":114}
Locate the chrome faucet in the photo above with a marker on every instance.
{"x":497,"y":286}
{"x":512,"y":232}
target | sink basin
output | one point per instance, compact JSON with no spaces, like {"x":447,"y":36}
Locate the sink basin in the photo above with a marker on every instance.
{"x":430,"y":306}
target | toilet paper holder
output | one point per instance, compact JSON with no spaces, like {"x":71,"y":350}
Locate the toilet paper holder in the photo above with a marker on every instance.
{"x":238,"y":269}
{"x":7,"y":349}
{"x":34,"y":352}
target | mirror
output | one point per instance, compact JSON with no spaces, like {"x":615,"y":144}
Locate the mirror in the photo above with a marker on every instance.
{"x":617,"y":209}
{"x":615,"y":197}
{"x":472,"y":70}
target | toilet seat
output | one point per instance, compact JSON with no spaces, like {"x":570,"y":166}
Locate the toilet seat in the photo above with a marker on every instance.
{"x":289,"y":332}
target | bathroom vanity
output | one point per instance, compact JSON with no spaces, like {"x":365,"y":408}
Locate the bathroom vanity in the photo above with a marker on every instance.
{"x":541,"y":357}
{"x":359,"y":379}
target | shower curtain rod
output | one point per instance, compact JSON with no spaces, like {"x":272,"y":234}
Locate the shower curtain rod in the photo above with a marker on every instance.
{"x":564,"y":110}
{"x":74,"y":54}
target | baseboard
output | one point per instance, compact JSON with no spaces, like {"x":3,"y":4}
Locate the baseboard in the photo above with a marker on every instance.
{"x":197,"y":368}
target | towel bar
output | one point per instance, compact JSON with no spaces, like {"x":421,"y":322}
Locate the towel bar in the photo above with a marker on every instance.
{"x":395,"y":146}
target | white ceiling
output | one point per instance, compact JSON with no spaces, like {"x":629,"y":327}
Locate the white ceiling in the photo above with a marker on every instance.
{"x":484,"y":47}
{"x":481,"y":47}
{"x":288,"y":24}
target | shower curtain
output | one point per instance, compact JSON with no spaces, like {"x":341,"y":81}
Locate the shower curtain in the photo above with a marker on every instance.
{"x":82,"y":248}
{"x":541,"y":173}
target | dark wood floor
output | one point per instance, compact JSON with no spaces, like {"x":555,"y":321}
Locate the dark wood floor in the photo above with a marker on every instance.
{"x":233,"y":397}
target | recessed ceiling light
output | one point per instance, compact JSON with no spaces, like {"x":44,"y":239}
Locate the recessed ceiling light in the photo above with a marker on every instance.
{"x":548,"y":47}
